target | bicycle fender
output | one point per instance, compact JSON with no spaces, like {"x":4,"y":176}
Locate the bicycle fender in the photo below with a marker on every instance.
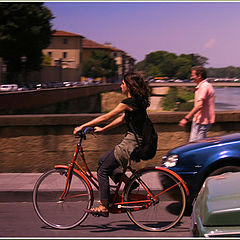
{"x":80,"y":174}
{"x":170,"y":172}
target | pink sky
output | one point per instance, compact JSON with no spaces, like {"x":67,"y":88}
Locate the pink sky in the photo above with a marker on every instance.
{"x":209,"y":29}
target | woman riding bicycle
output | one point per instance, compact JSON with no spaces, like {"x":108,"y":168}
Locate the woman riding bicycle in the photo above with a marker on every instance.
{"x":133,"y":110}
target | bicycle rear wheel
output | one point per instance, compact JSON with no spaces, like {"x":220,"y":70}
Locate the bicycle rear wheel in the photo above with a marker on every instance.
{"x":61,"y":214}
{"x":162,"y":212}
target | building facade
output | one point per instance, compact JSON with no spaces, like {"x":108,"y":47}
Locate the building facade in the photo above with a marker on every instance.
{"x":65,"y":49}
{"x":70,"y":50}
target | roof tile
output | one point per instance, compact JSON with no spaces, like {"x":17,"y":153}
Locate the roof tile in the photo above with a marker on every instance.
{"x":67,"y":34}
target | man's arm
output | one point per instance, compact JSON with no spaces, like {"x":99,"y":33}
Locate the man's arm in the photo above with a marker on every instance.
{"x":196,"y":108}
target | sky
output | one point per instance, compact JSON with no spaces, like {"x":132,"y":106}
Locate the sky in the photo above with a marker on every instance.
{"x":210,"y":29}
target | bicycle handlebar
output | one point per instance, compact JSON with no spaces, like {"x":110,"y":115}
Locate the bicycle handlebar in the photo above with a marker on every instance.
{"x":82,"y":134}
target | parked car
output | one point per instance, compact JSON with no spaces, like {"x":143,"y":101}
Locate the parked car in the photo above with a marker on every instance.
{"x":196,"y":161}
{"x":67,"y":84}
{"x":23,"y":88}
{"x":178,"y":81}
{"x":216,"y":210}
{"x":41,"y":86}
{"x":8,"y":87}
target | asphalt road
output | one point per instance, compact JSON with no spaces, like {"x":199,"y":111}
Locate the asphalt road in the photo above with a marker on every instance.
{"x":18,"y":219}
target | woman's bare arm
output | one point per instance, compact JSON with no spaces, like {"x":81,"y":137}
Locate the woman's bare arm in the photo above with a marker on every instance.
{"x":116,"y":111}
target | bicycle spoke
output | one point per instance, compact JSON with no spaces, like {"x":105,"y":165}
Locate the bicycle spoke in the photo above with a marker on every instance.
{"x":161,"y":198}
{"x":60,"y":213}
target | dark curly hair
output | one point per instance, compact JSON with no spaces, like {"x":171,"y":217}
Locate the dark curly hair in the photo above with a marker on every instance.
{"x":138,"y":88}
{"x":200,"y":71}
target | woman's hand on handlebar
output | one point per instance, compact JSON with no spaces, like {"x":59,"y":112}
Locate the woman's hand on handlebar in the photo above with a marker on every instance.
{"x":77,"y":129}
{"x":98,"y":129}
{"x":81,"y":128}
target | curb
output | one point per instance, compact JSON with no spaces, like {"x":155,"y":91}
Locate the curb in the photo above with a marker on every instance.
{"x":18,"y":187}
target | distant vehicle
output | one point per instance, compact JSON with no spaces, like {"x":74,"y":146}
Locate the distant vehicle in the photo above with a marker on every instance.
{"x":57,"y":84}
{"x":216,"y":210}
{"x":41,"y":86}
{"x":178,"y":81}
{"x":150,"y":79}
{"x":96,"y":82}
{"x":23,"y":88}
{"x":75,"y":84}
{"x":67,"y":84}
{"x":163,"y":78}
{"x":159,"y":81}
{"x":8,"y":87}
{"x":31,"y":86}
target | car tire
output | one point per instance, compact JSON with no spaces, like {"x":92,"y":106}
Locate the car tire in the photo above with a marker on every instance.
{"x":225,"y":169}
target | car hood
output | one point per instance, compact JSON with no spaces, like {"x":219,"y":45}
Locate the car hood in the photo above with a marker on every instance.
{"x":219,"y":200}
{"x":206,"y":143}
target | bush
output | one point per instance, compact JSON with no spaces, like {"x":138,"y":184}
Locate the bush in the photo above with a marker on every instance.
{"x":170,"y":101}
{"x":178,"y":99}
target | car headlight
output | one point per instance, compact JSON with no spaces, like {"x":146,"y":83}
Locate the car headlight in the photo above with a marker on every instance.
{"x":170,"y":161}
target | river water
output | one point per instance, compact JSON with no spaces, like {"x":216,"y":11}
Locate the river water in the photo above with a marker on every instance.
{"x":227,"y":98}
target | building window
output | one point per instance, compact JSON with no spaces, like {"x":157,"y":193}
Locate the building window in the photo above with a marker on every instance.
{"x":50,"y":54}
{"x":114,"y":54}
{"x":65,"y":41}
{"x":64,"y":55}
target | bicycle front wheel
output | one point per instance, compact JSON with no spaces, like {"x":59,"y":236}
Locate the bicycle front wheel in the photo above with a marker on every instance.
{"x":56,"y":212}
{"x":161,"y":211}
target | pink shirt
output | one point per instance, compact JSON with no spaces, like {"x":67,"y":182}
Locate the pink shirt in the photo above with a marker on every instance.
{"x":204,"y":91}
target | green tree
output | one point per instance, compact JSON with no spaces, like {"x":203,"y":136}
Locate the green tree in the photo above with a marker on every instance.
{"x":100,"y":64}
{"x":46,"y":60}
{"x":165,"y":64}
{"x":168,"y":65}
{"x":195,"y":59}
{"x":159,"y":63}
{"x":183,"y":65}
{"x":25,"y":29}
{"x":227,"y":72}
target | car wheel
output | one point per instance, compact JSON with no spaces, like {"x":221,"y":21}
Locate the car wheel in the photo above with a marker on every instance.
{"x":225,"y":169}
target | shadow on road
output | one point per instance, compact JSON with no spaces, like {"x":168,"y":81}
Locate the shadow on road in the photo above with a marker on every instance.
{"x":111,"y":227}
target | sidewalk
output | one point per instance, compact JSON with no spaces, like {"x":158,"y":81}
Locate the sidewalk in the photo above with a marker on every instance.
{"x":17,"y":187}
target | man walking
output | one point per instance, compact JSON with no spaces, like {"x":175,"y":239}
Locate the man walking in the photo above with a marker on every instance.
{"x":203,"y":112}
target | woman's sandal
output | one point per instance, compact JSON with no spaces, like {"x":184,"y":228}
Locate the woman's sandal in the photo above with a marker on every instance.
{"x":99,"y":211}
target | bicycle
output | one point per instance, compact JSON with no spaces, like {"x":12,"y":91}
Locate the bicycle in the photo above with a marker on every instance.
{"x":61,"y":195}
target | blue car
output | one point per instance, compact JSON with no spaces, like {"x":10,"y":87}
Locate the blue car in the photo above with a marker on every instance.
{"x":196,"y":161}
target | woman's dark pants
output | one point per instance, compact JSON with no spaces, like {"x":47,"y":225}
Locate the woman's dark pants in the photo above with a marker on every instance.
{"x":108,"y":166}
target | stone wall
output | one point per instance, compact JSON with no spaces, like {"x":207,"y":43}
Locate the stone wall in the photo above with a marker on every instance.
{"x":35,"y":143}
{"x":80,"y":99}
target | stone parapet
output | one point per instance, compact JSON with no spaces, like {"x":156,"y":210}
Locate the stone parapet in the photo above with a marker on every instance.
{"x":35,"y":143}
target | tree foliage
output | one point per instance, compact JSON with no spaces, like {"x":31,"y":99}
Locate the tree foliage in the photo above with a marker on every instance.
{"x":165,"y":64}
{"x":100,"y":64}
{"x":46,"y":60}
{"x":25,"y":29}
{"x":179,"y":99}
{"x":227,"y":72}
